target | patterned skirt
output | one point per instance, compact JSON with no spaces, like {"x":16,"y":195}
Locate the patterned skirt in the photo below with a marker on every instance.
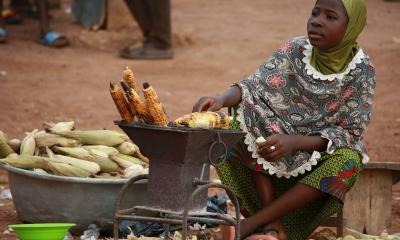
{"x":335,"y":174}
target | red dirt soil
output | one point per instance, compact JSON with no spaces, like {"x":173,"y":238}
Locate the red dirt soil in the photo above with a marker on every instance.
{"x":216,"y":43}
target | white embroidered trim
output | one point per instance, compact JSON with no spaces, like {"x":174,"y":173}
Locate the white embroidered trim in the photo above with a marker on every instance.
{"x":250,"y":142}
{"x":311,"y":71}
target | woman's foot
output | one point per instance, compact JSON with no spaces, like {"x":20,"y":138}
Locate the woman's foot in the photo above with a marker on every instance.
{"x":3,"y":35}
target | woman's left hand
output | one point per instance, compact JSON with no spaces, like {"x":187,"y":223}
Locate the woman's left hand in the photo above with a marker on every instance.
{"x":277,"y":146}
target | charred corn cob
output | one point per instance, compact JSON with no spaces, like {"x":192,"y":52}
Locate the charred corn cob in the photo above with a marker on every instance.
{"x":204,"y":120}
{"x":5,"y":149}
{"x":129,"y":78}
{"x":121,"y":103}
{"x":96,"y":137}
{"x":136,"y":103}
{"x":154,"y":106}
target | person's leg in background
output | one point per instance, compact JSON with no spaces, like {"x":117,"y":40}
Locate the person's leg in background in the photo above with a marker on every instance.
{"x":153,"y":18}
{"x":3,"y":33}
{"x":48,"y":37}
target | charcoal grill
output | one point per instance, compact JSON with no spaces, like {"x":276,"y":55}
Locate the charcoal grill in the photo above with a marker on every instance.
{"x":178,"y":177}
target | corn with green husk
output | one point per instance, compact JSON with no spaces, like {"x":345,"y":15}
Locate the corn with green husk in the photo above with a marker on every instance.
{"x":48,"y":140}
{"x":15,"y":144}
{"x":129,"y":78}
{"x":40,"y":171}
{"x":96,"y":137}
{"x":59,"y":127}
{"x":103,"y":160}
{"x":65,"y":169}
{"x":76,"y":152}
{"x":122,"y":105}
{"x":28,"y":144}
{"x":26,"y":161}
{"x":203,"y":120}
{"x":154,"y":106}
{"x":136,"y":103}
{"x":91,"y":167}
{"x":5,"y":149}
{"x":134,"y":170}
{"x":129,"y":148}
{"x":126,"y":161}
{"x":109,"y":150}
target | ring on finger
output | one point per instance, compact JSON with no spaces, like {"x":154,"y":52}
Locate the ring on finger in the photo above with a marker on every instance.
{"x":272,"y":148}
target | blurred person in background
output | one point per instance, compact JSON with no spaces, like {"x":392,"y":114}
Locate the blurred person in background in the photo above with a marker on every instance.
{"x":47,"y":36}
{"x":154,"y":20}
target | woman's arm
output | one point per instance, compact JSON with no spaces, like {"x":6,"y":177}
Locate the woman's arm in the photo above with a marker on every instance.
{"x":280,"y":145}
{"x":230,"y":97}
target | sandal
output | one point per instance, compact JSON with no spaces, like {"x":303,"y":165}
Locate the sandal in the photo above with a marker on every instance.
{"x":3,"y":35}
{"x":54,"y":39}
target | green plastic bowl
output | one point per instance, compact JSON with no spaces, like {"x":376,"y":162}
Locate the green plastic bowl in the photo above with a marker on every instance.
{"x":42,"y":231}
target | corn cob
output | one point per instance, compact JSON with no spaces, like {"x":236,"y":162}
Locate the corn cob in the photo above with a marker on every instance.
{"x":136,"y":103}
{"x":15,"y":144}
{"x":5,"y":149}
{"x":135,"y":170}
{"x":154,"y":106}
{"x":120,"y":101}
{"x":105,"y":163}
{"x":59,"y":127}
{"x":26,"y":161}
{"x":203,"y":120}
{"x":65,"y":169}
{"x":131,"y":149}
{"x":126,"y":161}
{"x":88,"y":166}
{"x":28,"y":144}
{"x":40,"y":171}
{"x":76,"y":152}
{"x":108,"y":150}
{"x":48,"y":140}
{"x":96,"y":137}
{"x":129,"y":78}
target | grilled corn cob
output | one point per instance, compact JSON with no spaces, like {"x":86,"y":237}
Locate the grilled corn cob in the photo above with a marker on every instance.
{"x":96,"y":137}
{"x":136,"y":103}
{"x":5,"y":149}
{"x":154,"y":106}
{"x":120,"y":101}
{"x":129,"y":78}
{"x":203,"y":120}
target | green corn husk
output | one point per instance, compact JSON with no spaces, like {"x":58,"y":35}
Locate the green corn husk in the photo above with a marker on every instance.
{"x":126,"y":161}
{"x":28,"y":144}
{"x":65,"y":169}
{"x":105,"y":163}
{"x":96,"y":137}
{"x":40,"y":171}
{"x":91,"y":167}
{"x":49,"y":140}
{"x":76,"y":152}
{"x":108,"y":150}
{"x":129,"y":148}
{"x":59,"y":127}
{"x":26,"y":161}
{"x":15,"y":144}
{"x":5,"y":149}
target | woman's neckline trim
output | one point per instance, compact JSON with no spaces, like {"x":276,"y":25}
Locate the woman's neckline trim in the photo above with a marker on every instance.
{"x":314,"y":73}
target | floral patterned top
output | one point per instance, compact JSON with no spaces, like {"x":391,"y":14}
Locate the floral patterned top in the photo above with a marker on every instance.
{"x":286,"y":95}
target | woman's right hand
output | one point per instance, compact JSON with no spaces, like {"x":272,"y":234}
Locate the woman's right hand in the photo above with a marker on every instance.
{"x":209,"y":104}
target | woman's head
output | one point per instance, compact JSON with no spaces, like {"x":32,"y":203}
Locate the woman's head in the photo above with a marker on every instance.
{"x":336,"y":22}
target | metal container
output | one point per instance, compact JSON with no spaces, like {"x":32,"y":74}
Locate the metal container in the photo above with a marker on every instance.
{"x":42,"y":198}
{"x":179,"y":158}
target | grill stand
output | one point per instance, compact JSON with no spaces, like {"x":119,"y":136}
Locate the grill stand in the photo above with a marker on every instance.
{"x":169,"y":217}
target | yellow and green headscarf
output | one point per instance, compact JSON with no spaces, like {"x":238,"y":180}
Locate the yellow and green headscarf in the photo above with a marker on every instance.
{"x":335,"y":60}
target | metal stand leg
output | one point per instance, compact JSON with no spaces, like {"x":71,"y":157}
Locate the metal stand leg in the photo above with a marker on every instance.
{"x":119,"y":199}
{"x":201,"y":188}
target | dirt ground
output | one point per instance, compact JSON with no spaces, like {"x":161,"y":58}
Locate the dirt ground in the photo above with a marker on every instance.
{"x":216,"y":43}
